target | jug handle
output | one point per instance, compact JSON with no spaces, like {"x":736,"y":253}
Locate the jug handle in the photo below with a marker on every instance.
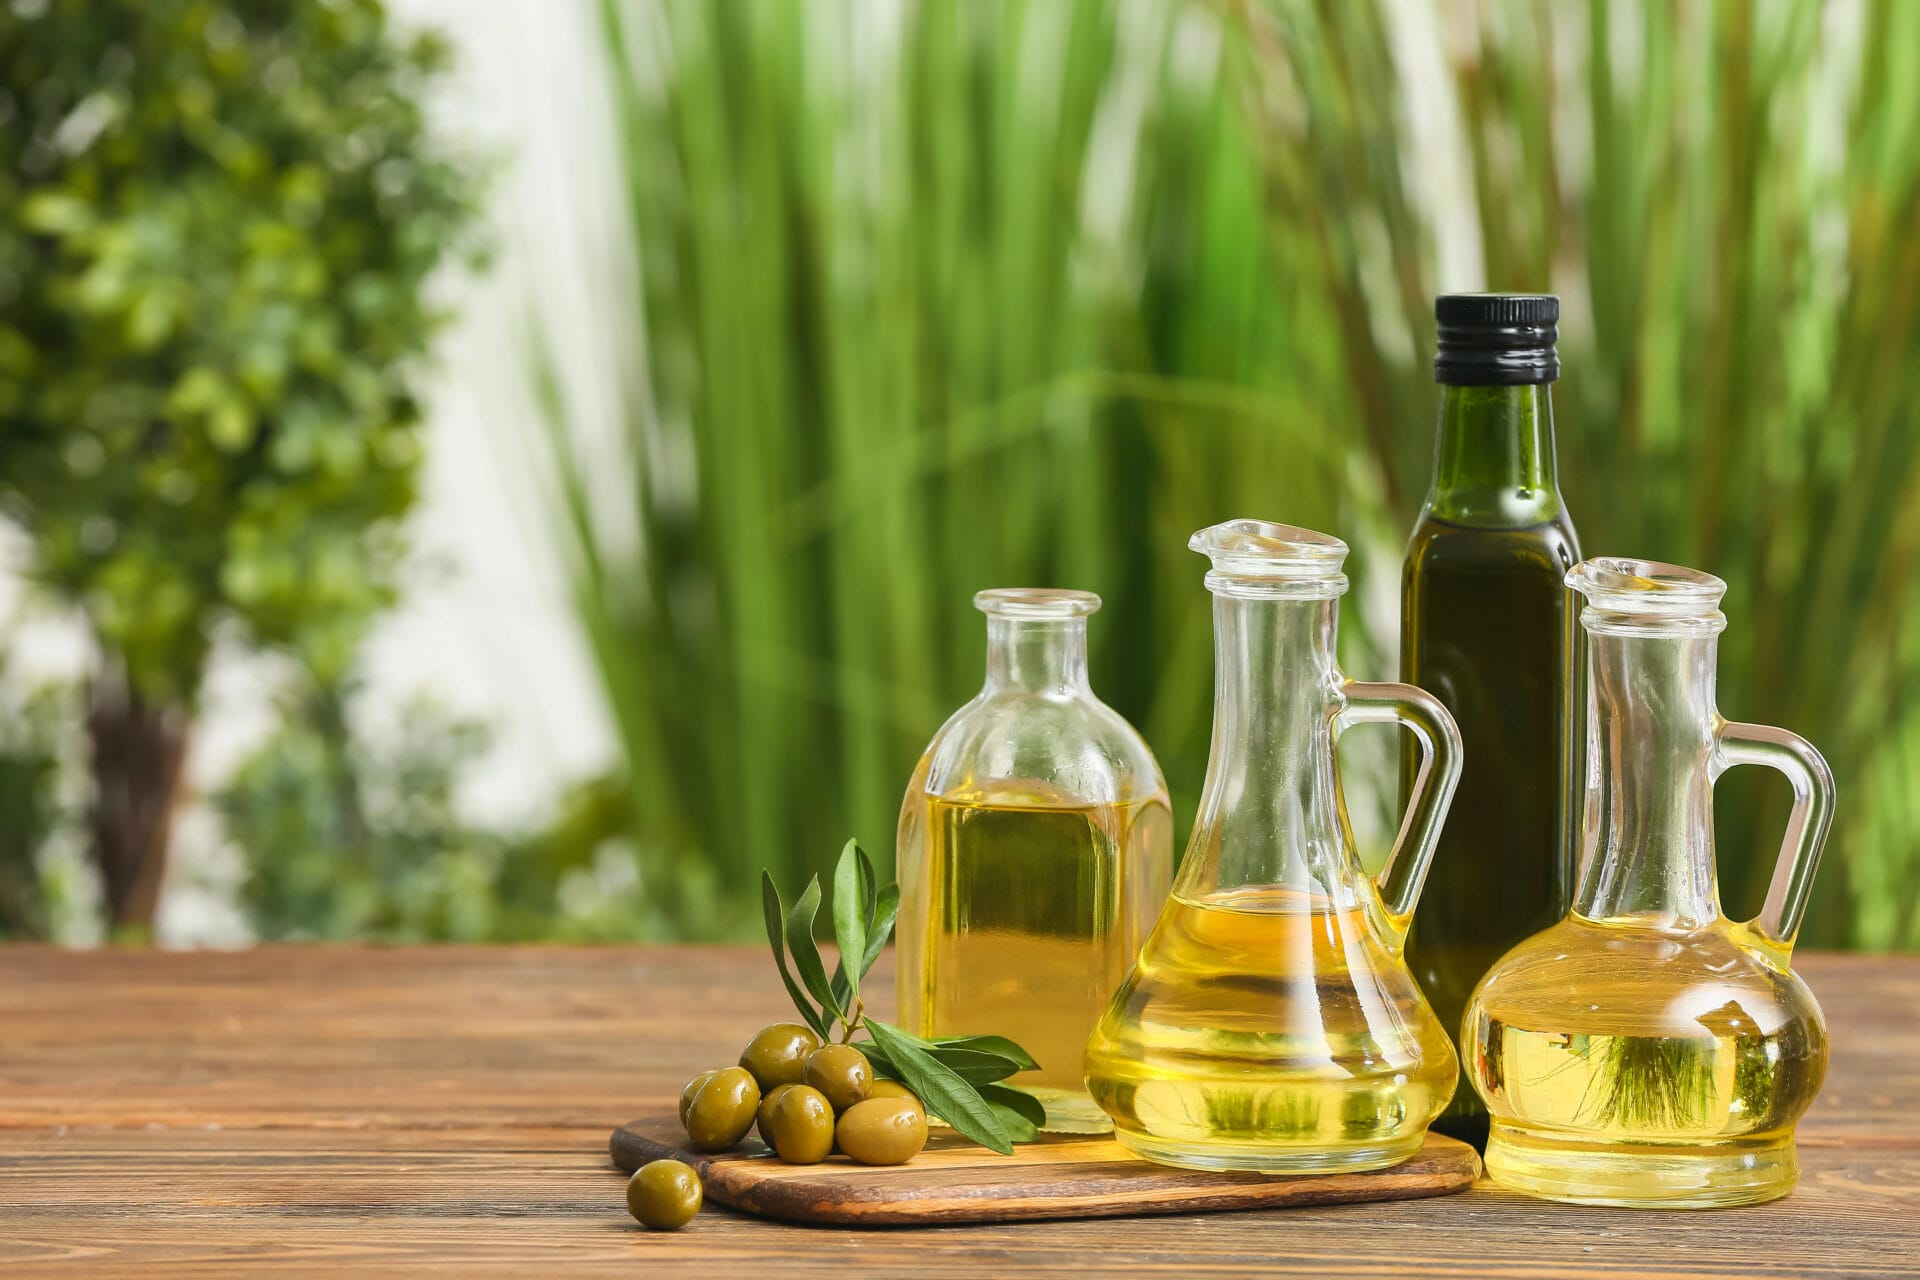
{"x":1807,"y":825}
{"x":1432,"y":725}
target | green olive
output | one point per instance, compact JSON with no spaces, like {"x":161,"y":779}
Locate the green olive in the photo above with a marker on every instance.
{"x":883,"y":1131}
{"x":803,"y":1126}
{"x":723,"y":1109}
{"x":778,"y":1053}
{"x":664,"y":1195}
{"x":764,"y":1119}
{"x":841,"y":1072}
{"x":894,"y":1089}
{"x":693,"y":1087}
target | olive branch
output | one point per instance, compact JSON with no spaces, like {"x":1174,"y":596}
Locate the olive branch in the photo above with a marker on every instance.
{"x":958,"y":1078}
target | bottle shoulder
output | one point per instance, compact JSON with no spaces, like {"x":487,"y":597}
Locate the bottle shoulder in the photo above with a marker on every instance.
{"x":1497,"y":506}
{"x":1548,"y":547}
{"x":1063,"y":748}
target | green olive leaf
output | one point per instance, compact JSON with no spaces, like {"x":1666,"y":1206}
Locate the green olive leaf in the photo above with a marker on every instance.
{"x":974,"y":1066}
{"x":1018,"y":1127}
{"x":976,"y":1059}
{"x":940,"y":1090}
{"x":775,"y":910}
{"x":1021,"y":1114}
{"x":850,"y":922}
{"x":1018,"y":1101}
{"x":982,"y":1075}
{"x":880,"y":928}
{"x":990,"y":1044}
{"x":900,"y":1033}
{"x":806,"y":952}
{"x":869,"y":882}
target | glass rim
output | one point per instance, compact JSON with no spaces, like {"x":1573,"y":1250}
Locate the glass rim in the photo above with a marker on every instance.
{"x":1036,"y":604}
{"x":1628,"y":595}
{"x":1265,"y":559}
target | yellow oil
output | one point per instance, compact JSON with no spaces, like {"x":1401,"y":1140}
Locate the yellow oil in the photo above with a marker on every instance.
{"x":1643,"y":1066}
{"x":1037,"y":906}
{"x":1266,"y":1029}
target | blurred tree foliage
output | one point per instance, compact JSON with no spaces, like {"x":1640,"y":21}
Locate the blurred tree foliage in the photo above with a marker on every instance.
{"x":350,"y":827}
{"x":30,"y":729}
{"x":216,"y":222}
{"x":351,"y":835}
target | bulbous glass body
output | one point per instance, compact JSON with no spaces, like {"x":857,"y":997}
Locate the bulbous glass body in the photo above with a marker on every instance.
{"x":1035,"y":849}
{"x":1646,"y":1050}
{"x":1270,"y":1022}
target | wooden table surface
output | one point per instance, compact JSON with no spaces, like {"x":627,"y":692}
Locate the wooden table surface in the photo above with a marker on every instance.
{"x":357,"y":1111}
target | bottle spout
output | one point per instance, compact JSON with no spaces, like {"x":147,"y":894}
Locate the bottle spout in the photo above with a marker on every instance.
{"x":1258,"y":559}
{"x":1647,"y":598}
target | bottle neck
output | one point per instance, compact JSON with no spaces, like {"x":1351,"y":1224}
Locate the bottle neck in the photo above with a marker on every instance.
{"x":1269,"y":813}
{"x":1494,"y":460}
{"x":1047,"y":656}
{"x":1648,"y":848}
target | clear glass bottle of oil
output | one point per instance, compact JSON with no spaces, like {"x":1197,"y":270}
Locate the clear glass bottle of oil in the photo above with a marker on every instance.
{"x":1646,"y":1050}
{"x":1035,"y":849}
{"x":1271,"y":1022}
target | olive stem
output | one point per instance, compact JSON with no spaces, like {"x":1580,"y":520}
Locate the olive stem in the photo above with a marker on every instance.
{"x":851,"y":1023}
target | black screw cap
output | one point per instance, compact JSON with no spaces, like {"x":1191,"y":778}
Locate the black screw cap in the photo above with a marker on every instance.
{"x":1496,"y":339}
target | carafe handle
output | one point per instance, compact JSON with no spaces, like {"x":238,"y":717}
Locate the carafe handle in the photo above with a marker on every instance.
{"x":1432,"y":724}
{"x":1806,"y":769}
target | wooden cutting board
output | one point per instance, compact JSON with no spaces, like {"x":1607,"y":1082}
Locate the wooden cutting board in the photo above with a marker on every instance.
{"x":1060,"y":1176}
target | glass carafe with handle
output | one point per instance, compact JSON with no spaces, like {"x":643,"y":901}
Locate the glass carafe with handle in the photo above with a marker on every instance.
{"x":1646,"y":1050}
{"x":1271,"y":1022}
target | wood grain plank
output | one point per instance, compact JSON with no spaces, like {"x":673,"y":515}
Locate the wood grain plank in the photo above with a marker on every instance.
{"x":1060,"y":1176}
{"x":317,"y":1202}
{"x":359,"y":1111}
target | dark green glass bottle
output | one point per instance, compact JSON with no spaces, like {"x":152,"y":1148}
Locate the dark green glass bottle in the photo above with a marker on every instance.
{"x":1489,"y":627}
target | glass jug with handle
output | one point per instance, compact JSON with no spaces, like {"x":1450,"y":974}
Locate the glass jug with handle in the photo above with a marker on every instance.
{"x":1646,"y":1050}
{"x":1270,"y":1022}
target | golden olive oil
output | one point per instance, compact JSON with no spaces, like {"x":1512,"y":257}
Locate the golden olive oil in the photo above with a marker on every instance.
{"x":1037,"y":906}
{"x":1623,"y":1065}
{"x":1266,"y":1029}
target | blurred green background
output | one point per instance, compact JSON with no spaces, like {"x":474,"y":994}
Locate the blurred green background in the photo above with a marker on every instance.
{"x":925,"y":297}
